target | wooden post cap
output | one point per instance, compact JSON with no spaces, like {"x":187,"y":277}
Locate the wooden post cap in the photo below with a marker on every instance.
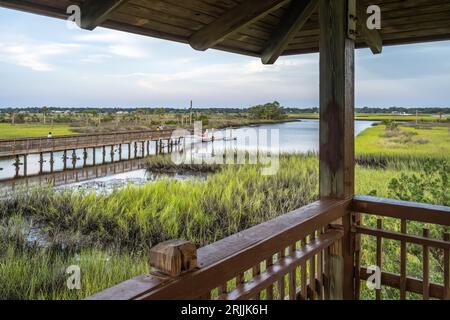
{"x":174,"y":257}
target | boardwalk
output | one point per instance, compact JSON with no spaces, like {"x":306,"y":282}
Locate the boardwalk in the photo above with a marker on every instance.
{"x":24,"y":146}
{"x":137,"y":141}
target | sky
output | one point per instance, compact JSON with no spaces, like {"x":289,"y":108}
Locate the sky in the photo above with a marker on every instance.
{"x":43,"y":62}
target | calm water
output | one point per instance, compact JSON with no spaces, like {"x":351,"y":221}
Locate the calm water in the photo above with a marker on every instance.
{"x":298,"y":136}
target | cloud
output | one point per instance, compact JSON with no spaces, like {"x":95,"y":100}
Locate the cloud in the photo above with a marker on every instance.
{"x":38,"y":57}
{"x":115,"y":43}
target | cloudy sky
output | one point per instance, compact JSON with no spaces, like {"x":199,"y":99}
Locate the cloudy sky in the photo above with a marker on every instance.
{"x":43,"y":62}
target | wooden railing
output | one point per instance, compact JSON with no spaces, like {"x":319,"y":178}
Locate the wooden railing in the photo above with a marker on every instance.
{"x":409,"y":224}
{"x":289,"y":257}
{"x":9,"y":147}
{"x":281,"y":259}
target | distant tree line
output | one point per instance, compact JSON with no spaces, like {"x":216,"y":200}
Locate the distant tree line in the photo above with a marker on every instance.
{"x":162,"y":110}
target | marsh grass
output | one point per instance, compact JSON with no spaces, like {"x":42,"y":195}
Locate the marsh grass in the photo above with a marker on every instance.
{"x":109,"y":235}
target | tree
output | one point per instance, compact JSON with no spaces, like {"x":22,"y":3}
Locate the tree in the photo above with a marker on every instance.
{"x":268,"y":111}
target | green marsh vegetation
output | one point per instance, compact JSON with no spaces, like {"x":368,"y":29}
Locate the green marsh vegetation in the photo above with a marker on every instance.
{"x":109,"y":235}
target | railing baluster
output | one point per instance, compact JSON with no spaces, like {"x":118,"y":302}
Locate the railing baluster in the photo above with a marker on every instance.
{"x":223,"y":289}
{"x":292,"y":278}
{"x":255,"y":272}
{"x":447,"y":269}
{"x":379,"y":255}
{"x":426,"y":267}
{"x":312,"y":271}
{"x":356,"y":242}
{"x":403,"y":229}
{"x":303,"y":284}
{"x":281,"y":286}
{"x":269,"y":290}
{"x":320,"y":275}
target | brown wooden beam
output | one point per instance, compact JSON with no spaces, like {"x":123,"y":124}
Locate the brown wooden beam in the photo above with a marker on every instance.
{"x":295,"y":18}
{"x":94,"y":12}
{"x":372,"y":38}
{"x":232,"y":21}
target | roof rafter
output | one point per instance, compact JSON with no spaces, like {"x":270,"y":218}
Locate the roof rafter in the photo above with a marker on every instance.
{"x":295,"y":18}
{"x":94,"y":12}
{"x":232,"y":21}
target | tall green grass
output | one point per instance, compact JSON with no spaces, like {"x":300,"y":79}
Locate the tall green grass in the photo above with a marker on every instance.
{"x":109,"y":235}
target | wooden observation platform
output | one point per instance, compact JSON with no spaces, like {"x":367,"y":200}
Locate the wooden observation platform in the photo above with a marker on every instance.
{"x":321,"y":240}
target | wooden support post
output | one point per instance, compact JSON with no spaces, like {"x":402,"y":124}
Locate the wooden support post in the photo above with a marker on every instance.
{"x":74,"y":159}
{"x":160,"y":146}
{"x":25,"y":165}
{"x":135,"y":150}
{"x":129,"y":151}
{"x":337,"y":133}
{"x":143,"y":149}
{"x":112,"y":154}
{"x":41,"y":163}
{"x":120,"y":152}
{"x":52,"y":161}
{"x":104,"y":154}
{"x":148,"y":147}
{"x":173,"y":257}
{"x":93,"y":156}
{"x":17,"y":166}
{"x":65,"y":160}
{"x":156,"y":147}
{"x":85,"y":157}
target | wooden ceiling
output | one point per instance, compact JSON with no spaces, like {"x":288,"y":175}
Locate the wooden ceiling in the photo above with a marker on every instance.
{"x":262,"y":28}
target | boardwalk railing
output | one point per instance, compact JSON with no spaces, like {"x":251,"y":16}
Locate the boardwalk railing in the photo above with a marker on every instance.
{"x":11,"y":147}
{"x":289,"y":257}
{"x":409,"y":224}
{"x":280,"y":259}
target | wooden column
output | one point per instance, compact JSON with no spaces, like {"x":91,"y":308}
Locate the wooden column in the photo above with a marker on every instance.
{"x":85,"y":157}
{"x":25,"y":165}
{"x":52,"y":162}
{"x":41,"y":163}
{"x":65,"y":160}
{"x":103,"y":154}
{"x":112,"y":154}
{"x":93,"y":156}
{"x":74,"y":159}
{"x":337,"y":133}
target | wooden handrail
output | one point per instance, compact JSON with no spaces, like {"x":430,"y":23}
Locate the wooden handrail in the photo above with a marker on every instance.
{"x":402,"y":210}
{"x":82,"y":135}
{"x":231,"y":256}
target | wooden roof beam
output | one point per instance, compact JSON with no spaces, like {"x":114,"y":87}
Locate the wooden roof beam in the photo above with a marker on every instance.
{"x":95,"y":12}
{"x":372,"y":38}
{"x":295,"y":18}
{"x":233,"y":20}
